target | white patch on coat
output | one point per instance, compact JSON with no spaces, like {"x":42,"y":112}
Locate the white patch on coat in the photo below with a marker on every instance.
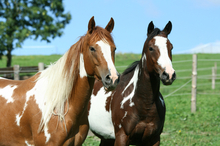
{"x":161,"y":99}
{"x":164,"y":60}
{"x":82,"y":70}
{"x":47,"y":134}
{"x":100,"y":120}
{"x":1,"y":78}
{"x":7,"y":92}
{"x":144,"y":58}
{"x":106,"y":50}
{"x":17,"y":119}
{"x":133,"y":81}
{"x":124,"y":116}
{"x":18,"y":116}
{"x":38,"y":93}
{"x":26,"y":142}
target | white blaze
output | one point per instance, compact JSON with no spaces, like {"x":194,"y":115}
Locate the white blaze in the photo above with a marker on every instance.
{"x":106,"y":50}
{"x":164,"y":60}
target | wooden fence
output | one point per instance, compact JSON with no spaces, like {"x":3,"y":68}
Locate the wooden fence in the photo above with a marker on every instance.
{"x":16,"y":70}
{"x":194,"y":81}
{"x":30,"y":69}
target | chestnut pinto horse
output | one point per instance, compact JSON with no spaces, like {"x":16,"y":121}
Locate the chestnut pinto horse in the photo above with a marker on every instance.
{"x":50,"y":108}
{"x":134,"y":113}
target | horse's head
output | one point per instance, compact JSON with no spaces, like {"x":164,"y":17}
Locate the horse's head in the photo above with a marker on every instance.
{"x":99,"y":54}
{"x":158,"y":51}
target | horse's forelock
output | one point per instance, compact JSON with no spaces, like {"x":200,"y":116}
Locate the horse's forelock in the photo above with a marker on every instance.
{"x":101,"y":34}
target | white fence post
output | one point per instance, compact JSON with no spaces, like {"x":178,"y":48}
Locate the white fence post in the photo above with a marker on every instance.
{"x":194,"y":80}
{"x":16,"y":72}
{"x":214,"y":74}
{"x":40,"y":66}
{"x":213,"y":78}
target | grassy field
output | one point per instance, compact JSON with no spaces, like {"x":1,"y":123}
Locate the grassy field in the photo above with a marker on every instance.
{"x":182,"y":128}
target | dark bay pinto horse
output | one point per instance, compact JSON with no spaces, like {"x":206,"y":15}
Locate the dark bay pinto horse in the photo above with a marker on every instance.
{"x":50,"y":108}
{"x":134,"y":112}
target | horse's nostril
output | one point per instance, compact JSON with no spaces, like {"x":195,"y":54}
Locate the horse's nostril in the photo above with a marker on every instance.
{"x":107,"y":77}
{"x":165,"y":76}
{"x":108,"y":80}
{"x":174,"y":76}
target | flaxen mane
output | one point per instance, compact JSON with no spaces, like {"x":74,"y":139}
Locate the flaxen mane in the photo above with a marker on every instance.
{"x":55,"y":84}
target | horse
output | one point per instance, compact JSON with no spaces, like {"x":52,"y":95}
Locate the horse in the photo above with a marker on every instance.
{"x":134,"y":113}
{"x":50,"y":108}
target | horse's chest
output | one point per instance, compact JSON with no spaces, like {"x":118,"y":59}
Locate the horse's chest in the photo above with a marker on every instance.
{"x":100,"y":119}
{"x":145,"y":131}
{"x":150,"y":124}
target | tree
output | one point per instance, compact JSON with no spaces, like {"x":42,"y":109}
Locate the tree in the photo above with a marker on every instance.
{"x":22,"y":19}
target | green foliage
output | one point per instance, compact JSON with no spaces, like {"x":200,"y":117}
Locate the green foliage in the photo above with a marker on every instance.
{"x":22,"y":19}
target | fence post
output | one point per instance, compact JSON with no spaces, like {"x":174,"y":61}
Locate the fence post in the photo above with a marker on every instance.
{"x":213,"y":77}
{"x":215,"y":69}
{"x":194,"y":80}
{"x":40,"y":66}
{"x":16,"y":72}
{"x":214,"y":73}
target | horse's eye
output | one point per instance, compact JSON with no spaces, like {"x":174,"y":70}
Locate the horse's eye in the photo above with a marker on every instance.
{"x":92,"y":49}
{"x":151,"y":49}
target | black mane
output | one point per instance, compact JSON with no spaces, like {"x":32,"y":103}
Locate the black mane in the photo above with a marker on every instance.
{"x":155,"y":32}
{"x":131,"y":67}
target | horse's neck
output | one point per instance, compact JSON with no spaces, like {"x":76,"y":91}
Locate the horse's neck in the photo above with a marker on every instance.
{"x":81,"y":93}
{"x":150,"y":84}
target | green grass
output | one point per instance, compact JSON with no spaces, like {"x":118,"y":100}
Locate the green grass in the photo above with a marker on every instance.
{"x":185,"y":128}
{"x":182,"y":127}
{"x":30,"y":60}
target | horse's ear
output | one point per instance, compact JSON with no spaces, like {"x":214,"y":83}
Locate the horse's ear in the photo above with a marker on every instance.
{"x":91,"y":25}
{"x":150,"y":28}
{"x":168,"y":28}
{"x":110,"y":25}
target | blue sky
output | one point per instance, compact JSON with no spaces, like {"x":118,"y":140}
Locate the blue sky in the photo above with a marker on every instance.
{"x":195,"y":23}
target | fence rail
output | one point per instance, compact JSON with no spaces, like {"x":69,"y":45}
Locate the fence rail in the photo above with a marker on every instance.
{"x":16,"y":70}
{"x":214,"y":76}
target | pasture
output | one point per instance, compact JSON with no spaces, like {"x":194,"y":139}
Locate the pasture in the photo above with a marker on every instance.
{"x":182,"y":127}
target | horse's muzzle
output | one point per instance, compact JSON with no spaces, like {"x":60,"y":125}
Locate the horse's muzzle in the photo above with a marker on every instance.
{"x":166,"y":80}
{"x":109,"y":83}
